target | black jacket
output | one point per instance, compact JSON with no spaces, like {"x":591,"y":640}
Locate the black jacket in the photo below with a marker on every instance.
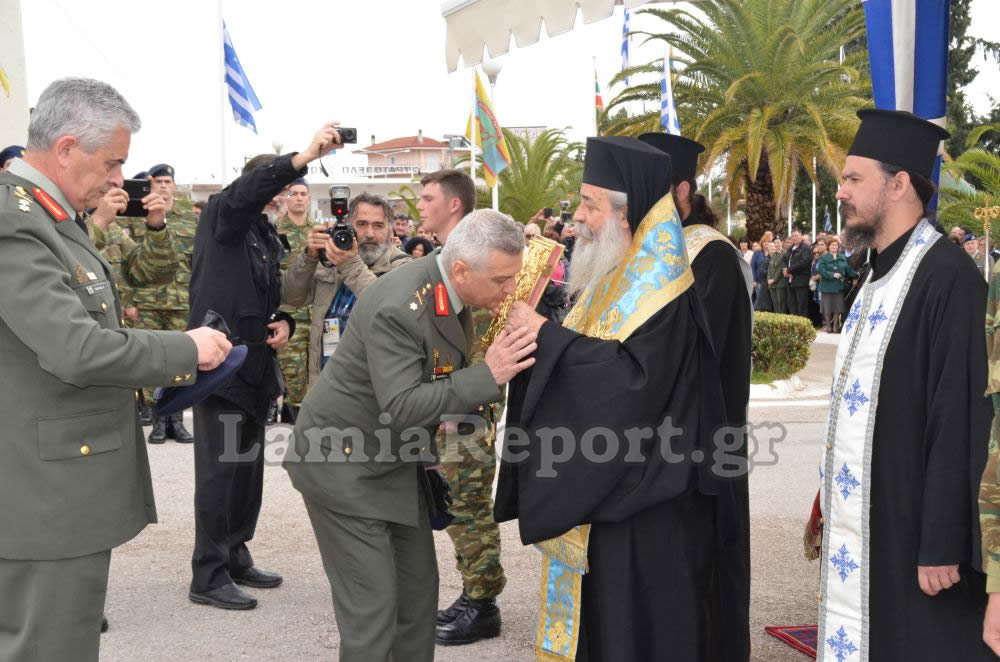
{"x":236,"y":272}
{"x":800,"y":264}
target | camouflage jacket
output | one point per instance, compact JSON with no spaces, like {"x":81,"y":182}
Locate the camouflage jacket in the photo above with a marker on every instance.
{"x":181,"y":226}
{"x":297,"y":236}
{"x":152,"y":262}
{"x":989,"y":491}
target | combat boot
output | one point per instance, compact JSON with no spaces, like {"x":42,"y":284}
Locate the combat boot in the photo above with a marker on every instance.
{"x":445,"y":616}
{"x":179,"y":432}
{"x":272,"y":413}
{"x":479,"y":620}
{"x":145,"y":414}
{"x":159,"y":433}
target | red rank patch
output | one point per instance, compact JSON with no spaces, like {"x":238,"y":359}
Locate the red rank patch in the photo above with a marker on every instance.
{"x":51,"y":206}
{"x":440,"y":300}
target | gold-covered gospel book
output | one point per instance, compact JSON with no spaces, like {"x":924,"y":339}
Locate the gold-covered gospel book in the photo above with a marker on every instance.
{"x":540,"y":257}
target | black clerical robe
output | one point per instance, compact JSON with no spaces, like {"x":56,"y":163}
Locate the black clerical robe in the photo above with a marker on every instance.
{"x":653,"y":541}
{"x":929,"y":449}
{"x":719,"y":282}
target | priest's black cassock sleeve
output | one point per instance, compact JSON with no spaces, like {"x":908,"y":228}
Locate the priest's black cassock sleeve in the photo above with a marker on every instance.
{"x":653,"y":541}
{"x":929,"y":449}
{"x":719,"y":281}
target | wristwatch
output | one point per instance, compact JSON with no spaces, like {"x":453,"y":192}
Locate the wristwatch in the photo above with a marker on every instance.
{"x":158,"y":228}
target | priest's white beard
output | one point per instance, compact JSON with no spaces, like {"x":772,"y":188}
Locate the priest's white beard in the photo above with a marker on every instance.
{"x":273,"y":214}
{"x":595,"y":255}
{"x":370,"y":252}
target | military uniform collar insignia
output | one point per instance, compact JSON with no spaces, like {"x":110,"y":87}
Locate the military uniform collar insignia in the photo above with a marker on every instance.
{"x":50,"y":205}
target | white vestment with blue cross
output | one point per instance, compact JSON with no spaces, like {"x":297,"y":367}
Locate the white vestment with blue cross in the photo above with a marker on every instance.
{"x":846,"y":465}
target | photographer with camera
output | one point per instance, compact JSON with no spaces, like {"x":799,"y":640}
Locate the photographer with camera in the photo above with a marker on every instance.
{"x":236,"y":273}
{"x":333,"y":288}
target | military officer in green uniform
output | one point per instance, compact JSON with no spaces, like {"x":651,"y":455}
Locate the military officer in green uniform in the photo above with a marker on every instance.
{"x":75,"y":478}
{"x":777,"y":283}
{"x":294,"y":226}
{"x":165,"y":307}
{"x":469,"y":466}
{"x":400,"y":367}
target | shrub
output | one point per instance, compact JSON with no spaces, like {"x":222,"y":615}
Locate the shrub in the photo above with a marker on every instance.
{"x":780,"y":345}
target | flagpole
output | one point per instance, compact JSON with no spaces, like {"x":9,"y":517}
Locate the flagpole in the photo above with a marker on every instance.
{"x":838,"y":201}
{"x":473,"y":123}
{"x":223,"y":97}
{"x":814,"y":202}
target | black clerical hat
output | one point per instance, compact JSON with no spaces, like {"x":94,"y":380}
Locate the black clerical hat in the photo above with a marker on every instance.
{"x":898,"y":138}
{"x":631,"y":166}
{"x":175,"y":399}
{"x":161,"y":170}
{"x":683,"y":153}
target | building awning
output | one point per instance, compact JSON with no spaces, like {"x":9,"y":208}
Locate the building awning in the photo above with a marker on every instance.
{"x":473,"y":24}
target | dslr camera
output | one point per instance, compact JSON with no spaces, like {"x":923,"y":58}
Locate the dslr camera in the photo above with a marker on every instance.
{"x":341,"y":233}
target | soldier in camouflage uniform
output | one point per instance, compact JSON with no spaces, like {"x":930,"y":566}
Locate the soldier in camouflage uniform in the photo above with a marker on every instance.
{"x":989,"y":491}
{"x":469,"y":459}
{"x":294,"y":226}
{"x":165,"y":307}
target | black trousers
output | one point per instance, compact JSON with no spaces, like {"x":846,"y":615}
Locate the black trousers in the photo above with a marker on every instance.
{"x":228,"y":483}
{"x":798,"y":300}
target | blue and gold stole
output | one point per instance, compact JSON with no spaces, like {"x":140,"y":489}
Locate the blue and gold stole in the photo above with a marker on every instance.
{"x":655,"y":271}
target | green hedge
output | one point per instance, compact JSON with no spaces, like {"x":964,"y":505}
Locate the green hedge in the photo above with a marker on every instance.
{"x":780,"y":343}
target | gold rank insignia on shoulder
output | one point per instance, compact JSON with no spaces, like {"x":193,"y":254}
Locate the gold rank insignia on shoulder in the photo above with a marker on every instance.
{"x":23,"y":199}
{"x":413,"y":305}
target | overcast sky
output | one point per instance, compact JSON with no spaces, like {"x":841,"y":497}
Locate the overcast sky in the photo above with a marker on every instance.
{"x":377,"y":65}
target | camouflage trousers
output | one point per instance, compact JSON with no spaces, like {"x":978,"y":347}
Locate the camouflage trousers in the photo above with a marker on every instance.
{"x":294,"y":361}
{"x":470,"y":467}
{"x":160,"y":320}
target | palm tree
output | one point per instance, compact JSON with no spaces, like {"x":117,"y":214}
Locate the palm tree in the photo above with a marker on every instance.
{"x":763,"y":90}
{"x":958,"y":207}
{"x":542,"y":172}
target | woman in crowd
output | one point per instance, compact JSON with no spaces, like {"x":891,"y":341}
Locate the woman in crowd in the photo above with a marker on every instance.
{"x":833,"y":270}
{"x":745,"y":249}
{"x":419,"y":247}
{"x":763,"y":261}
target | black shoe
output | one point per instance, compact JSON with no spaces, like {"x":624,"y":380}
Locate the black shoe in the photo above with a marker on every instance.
{"x":178,"y":431}
{"x":227,"y":596}
{"x":258,"y":578}
{"x":159,"y":433}
{"x":480,"y":620}
{"x":272,"y":413}
{"x":104,"y":624}
{"x":446,"y":616}
{"x":289,"y":413}
{"x":145,"y":414}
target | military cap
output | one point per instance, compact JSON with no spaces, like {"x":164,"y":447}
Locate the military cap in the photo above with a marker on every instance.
{"x":142,"y":174}
{"x":11,"y":152}
{"x":161,"y":170}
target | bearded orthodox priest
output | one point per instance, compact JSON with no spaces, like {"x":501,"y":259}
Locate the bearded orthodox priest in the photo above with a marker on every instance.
{"x":909,"y":425}
{"x":626,"y":395}
{"x":724,"y":285}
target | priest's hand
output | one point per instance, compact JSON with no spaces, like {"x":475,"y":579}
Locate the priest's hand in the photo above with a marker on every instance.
{"x":523,"y":315}
{"x":936,"y":578}
{"x":510,"y":354}
{"x":991,"y":624}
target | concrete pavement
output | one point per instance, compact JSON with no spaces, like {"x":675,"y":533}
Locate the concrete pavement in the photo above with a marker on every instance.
{"x":152,"y":619}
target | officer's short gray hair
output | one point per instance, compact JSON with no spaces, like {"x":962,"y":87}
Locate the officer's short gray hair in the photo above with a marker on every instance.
{"x":477,"y":234}
{"x":86,"y":109}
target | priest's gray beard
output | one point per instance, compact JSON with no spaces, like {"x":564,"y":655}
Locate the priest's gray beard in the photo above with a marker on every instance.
{"x":595,"y":255}
{"x":370,"y":252}
{"x":860,"y":234}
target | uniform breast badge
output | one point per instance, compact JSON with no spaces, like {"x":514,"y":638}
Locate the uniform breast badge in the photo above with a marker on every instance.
{"x":441,"y":371}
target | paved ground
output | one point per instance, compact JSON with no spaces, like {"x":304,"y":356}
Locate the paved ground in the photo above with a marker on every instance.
{"x":153,"y":620}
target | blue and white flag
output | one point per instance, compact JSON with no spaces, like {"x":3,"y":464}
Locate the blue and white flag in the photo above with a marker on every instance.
{"x":668,"y":111}
{"x":908,"y":51}
{"x":625,"y":40}
{"x":241,"y":94}
{"x":827,"y":225}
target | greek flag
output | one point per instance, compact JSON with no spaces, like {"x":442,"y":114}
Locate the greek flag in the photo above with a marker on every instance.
{"x":908,"y":51}
{"x":241,"y":94}
{"x":668,"y":111}
{"x":827,"y":225}
{"x":625,"y":40}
